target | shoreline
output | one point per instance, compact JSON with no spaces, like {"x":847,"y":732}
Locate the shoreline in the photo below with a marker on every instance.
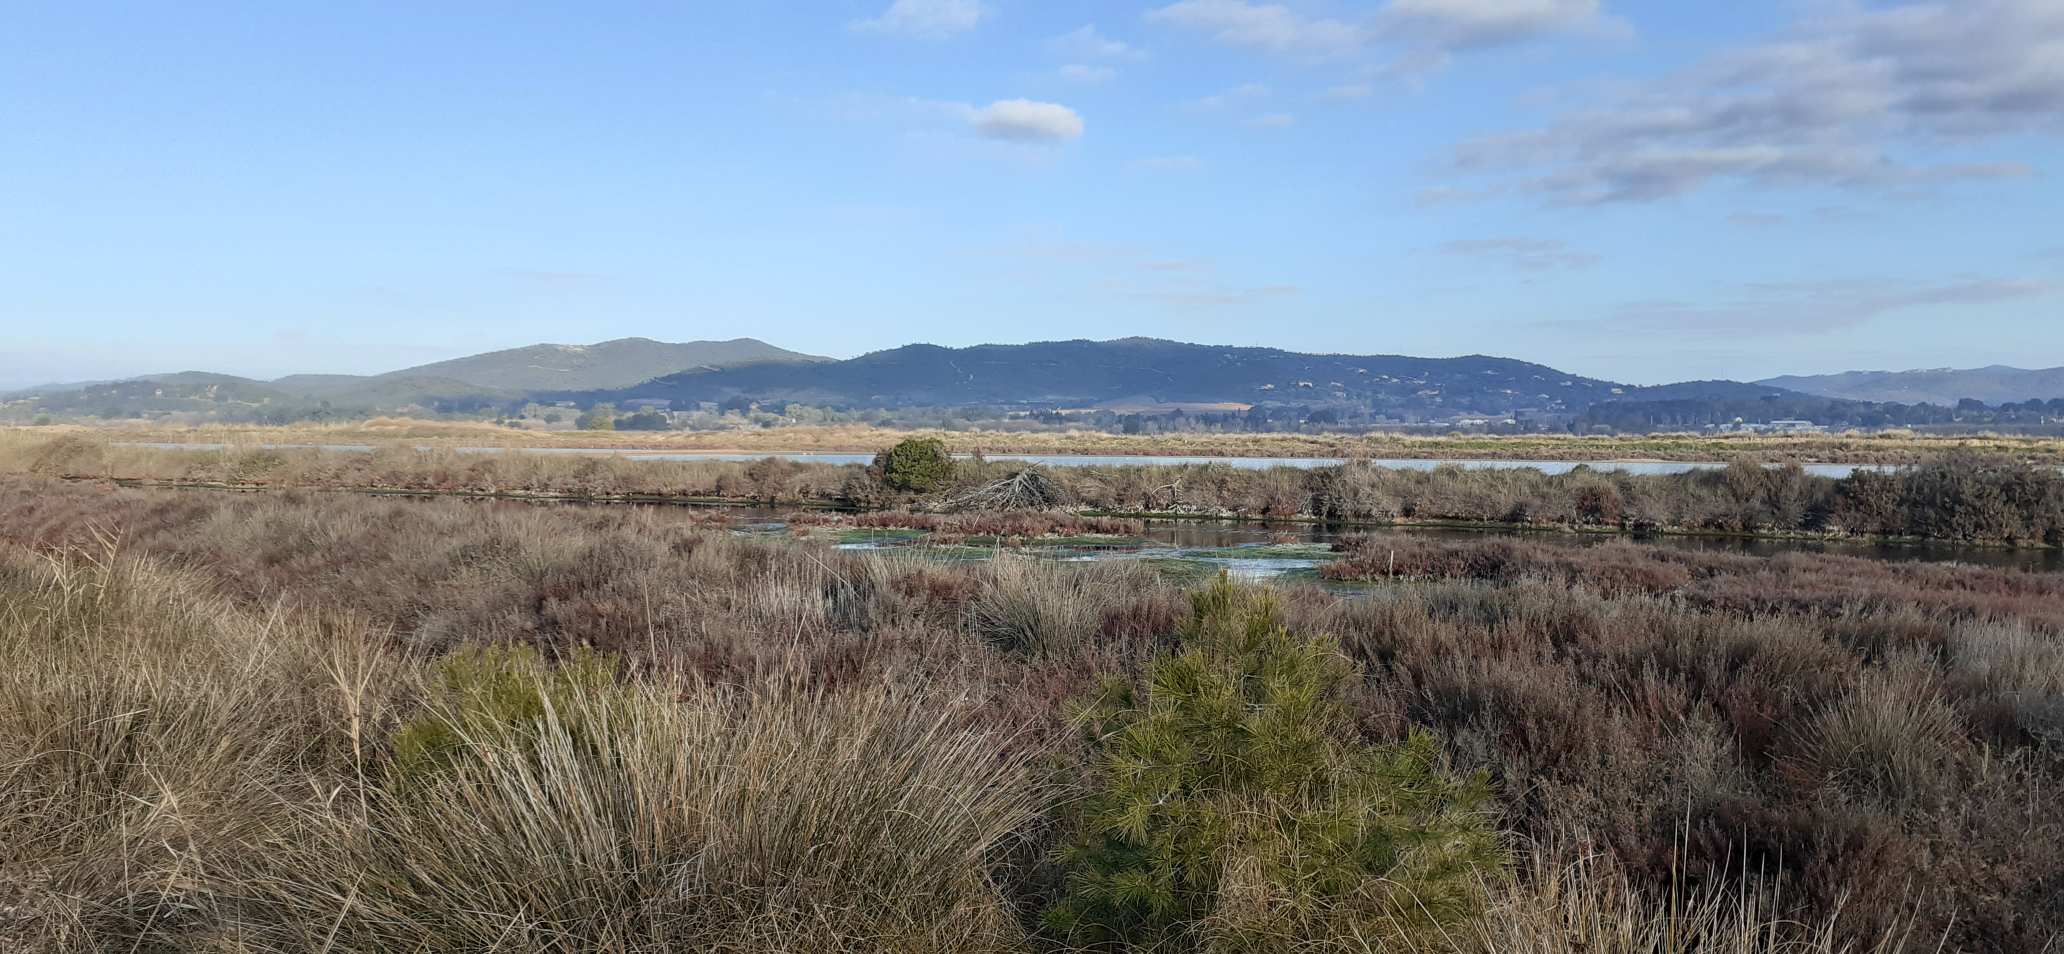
{"x":819,"y":505}
{"x":1849,"y":448}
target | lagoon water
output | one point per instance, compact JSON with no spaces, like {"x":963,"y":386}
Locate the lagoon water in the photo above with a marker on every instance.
{"x":1087,"y":460}
{"x":1263,"y":550}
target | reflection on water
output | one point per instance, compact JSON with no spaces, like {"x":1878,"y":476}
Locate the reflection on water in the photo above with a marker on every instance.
{"x":1259,"y":550}
{"x":1080,"y":460}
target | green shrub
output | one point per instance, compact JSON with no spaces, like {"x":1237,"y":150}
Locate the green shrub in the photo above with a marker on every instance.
{"x":919,"y":465}
{"x":496,"y":696}
{"x":1235,"y":811}
{"x":601,"y":417}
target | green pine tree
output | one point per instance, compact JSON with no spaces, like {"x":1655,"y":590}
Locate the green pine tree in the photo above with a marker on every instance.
{"x":1236,"y":810}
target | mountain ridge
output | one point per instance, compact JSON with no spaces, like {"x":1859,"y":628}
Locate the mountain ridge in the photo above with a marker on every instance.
{"x":1992,"y":384}
{"x":1083,"y":372}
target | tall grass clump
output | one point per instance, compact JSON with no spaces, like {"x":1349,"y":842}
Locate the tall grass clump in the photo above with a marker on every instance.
{"x":1234,"y":810}
{"x":153,"y":744}
{"x":564,"y":812}
{"x":1037,"y":606}
{"x":1889,"y":738}
{"x":1588,"y":906}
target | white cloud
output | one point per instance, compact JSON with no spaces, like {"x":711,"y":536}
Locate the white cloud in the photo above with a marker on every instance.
{"x":1085,"y":43}
{"x":1023,"y":120}
{"x":1469,"y":24}
{"x":1425,"y":30}
{"x":929,"y":19}
{"x":1087,"y":73}
{"x":1269,"y":27}
{"x":1830,"y":103}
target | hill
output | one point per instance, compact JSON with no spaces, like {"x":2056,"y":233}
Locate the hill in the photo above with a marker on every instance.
{"x":181,"y":391}
{"x":609,"y":364}
{"x":1134,"y":370}
{"x":460,"y":384}
{"x":1997,"y":384}
{"x":1086,"y":373}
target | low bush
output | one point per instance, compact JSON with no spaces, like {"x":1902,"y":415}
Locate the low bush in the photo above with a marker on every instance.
{"x":1233,"y":810}
{"x":918,"y":465}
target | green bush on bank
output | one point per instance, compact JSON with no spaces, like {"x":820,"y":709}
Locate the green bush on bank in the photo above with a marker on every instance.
{"x":919,"y":465}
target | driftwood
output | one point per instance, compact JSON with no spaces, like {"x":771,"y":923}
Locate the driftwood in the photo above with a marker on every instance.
{"x":1028,"y":489}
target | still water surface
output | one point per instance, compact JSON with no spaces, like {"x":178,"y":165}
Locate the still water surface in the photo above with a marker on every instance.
{"x":1080,"y":460}
{"x":1259,"y":550}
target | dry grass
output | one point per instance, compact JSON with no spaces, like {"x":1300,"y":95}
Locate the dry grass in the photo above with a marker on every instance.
{"x":1586,"y":905}
{"x":637,"y":819}
{"x":155,"y":745}
{"x":811,"y":749}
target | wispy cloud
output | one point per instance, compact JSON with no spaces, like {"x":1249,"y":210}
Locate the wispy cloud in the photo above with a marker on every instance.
{"x":1086,"y":43}
{"x":1802,"y":308}
{"x":1832,"y":103}
{"x":1423,"y":32}
{"x":1268,"y":27}
{"x":1243,"y":94}
{"x":1086,"y":73}
{"x":926,"y":19}
{"x":1526,"y":254}
{"x":1021,"y":121}
{"x":1474,"y":24}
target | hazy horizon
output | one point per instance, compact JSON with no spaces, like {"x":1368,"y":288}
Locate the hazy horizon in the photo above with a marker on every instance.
{"x":1638,"y":192}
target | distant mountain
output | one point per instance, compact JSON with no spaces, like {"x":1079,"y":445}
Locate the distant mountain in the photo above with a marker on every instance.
{"x":610,"y":364}
{"x":182,"y":391}
{"x":1997,"y":384}
{"x":541,"y":367}
{"x":1088,"y":373}
{"x":460,"y":383}
{"x":1706,"y":391}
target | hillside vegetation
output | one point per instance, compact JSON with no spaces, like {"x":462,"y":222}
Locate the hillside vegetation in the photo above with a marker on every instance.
{"x":1083,"y":373}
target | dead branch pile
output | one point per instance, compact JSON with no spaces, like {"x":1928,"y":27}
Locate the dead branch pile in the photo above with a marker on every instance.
{"x":1028,"y":489}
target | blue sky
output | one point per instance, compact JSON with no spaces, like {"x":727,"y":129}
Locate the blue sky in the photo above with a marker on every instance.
{"x":1636,"y":191}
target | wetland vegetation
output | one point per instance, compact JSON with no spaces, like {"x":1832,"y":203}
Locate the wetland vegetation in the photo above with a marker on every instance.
{"x":1959,"y":496}
{"x":303,"y":721}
